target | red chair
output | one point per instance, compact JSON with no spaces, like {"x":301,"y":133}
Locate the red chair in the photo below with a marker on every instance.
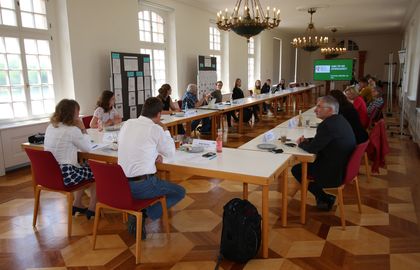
{"x":351,"y":176}
{"x":47,"y":175}
{"x":86,"y":120}
{"x":180,"y":104}
{"x":113,"y":192}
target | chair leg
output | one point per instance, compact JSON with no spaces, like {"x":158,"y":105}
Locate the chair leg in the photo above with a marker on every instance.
{"x":367,"y":166}
{"x":359,"y":201}
{"x":36,"y":205}
{"x":139,"y":226}
{"x":165,"y":218}
{"x":341,"y":205}
{"x":96,"y":224}
{"x":70,"y":216}
{"x":125,"y":217}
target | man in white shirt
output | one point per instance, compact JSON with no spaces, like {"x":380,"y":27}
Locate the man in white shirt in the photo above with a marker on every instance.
{"x":141,"y":143}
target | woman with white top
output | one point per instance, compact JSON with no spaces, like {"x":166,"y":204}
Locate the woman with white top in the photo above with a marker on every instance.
{"x":105,"y":114}
{"x":65,"y":135}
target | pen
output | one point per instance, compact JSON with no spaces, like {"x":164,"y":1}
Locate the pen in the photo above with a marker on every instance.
{"x":93,"y":147}
{"x":212,"y":157}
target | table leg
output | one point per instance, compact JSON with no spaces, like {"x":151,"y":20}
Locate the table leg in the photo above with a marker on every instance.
{"x":188,"y":129}
{"x":265,"y":221}
{"x":261,"y":109}
{"x":245,"y":191}
{"x":304,"y":188}
{"x":275,"y":107}
{"x":213,"y":127}
{"x":287,"y":104}
{"x":284,"y":200}
{"x":175,"y":130}
{"x":241,"y":120}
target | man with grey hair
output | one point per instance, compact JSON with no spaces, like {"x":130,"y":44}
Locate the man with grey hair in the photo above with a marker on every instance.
{"x":190,"y":101}
{"x":333,"y":144}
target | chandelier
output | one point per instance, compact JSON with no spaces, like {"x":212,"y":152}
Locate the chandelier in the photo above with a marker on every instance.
{"x":310,"y":41}
{"x":334,"y":50}
{"x":249,"y":20}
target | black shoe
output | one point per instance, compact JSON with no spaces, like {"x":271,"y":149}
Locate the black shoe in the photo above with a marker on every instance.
{"x":78,"y":210}
{"x":89,"y":214}
{"x":326,"y":204}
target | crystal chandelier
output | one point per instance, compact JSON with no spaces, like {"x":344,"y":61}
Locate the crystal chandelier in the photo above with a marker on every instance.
{"x":310,"y":41}
{"x":248,"y":20}
{"x":334,"y":50}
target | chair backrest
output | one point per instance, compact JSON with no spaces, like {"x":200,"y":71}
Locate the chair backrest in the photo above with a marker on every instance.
{"x":86,"y":120}
{"x":354,"y":162}
{"x":111,"y":185}
{"x":376,"y":115}
{"x":45,"y":168}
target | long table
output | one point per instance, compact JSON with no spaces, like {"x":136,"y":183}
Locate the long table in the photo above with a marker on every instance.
{"x":299,"y":154}
{"x":232,"y":164}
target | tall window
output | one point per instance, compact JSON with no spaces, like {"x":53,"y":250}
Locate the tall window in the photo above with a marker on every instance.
{"x":26,"y":80}
{"x":215,"y":48}
{"x":152,"y":42}
{"x":251,"y":64}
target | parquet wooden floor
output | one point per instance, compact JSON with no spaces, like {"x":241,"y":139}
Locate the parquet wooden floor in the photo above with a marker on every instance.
{"x":385,"y":236}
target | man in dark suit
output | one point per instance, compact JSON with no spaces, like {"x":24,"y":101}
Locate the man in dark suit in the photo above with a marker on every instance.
{"x":333,"y":144}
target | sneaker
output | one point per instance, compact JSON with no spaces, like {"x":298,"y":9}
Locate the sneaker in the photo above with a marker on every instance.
{"x":132,"y":224}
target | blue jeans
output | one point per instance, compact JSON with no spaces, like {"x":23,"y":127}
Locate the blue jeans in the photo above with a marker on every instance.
{"x":153,"y":187}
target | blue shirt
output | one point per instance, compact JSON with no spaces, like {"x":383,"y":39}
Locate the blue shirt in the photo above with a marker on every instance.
{"x":190,"y":99}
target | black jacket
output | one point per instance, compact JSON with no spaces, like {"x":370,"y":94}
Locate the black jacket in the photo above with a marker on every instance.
{"x":237,"y":93}
{"x":265,"y":89}
{"x":352,"y":116}
{"x":333,"y":144}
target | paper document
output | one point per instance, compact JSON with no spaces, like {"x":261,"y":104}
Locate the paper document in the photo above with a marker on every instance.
{"x":131,"y":98}
{"x":117,"y":81}
{"x":116,"y":66}
{"x":147,"y":83}
{"x":140,"y":97}
{"x":140,"y":83}
{"x":131,"y":63}
{"x":133,"y":112}
{"x":118,"y":96}
{"x":96,"y":146}
{"x":131,"y":84}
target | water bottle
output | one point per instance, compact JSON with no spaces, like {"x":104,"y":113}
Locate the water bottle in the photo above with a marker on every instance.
{"x":219,"y":141}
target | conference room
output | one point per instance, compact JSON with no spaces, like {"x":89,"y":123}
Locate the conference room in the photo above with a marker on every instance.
{"x":204,"y":134}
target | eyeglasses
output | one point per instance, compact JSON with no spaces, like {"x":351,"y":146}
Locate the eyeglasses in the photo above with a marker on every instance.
{"x":322,"y":107}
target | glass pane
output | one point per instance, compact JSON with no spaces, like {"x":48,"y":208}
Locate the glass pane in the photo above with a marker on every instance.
{"x":36,"y":92}
{"x":26,"y":5}
{"x":43,"y":47}
{"x":4,"y":78}
{"x":18,"y":94}
{"x":140,"y":15}
{"x":2,"y":47}
{"x":39,"y":6}
{"x":30,"y":46}
{"x":9,"y":17}
{"x":147,"y":25}
{"x":146,"y":15}
{"x":147,"y":36}
{"x":40,"y":21}
{"x":34,"y":77}
{"x":12,"y":45}
{"x":14,"y":61}
{"x":27,"y":20}
{"x":16,"y":77}
{"x":3,"y":63}
{"x":6,"y":111}
{"x":141,"y":25}
{"x":7,"y":4}
{"x":37,"y":107}
{"x":48,"y":91}
{"x":44,"y":62}
{"x":154,"y":16}
{"x":49,"y":105}
{"x":5,"y":94}
{"x":46,"y":77}
{"x":20,"y":109}
{"x":32,"y":62}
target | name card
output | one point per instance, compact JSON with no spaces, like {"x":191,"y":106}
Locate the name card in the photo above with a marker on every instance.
{"x":207,"y":144}
{"x":268,"y":136}
{"x":189,"y":113}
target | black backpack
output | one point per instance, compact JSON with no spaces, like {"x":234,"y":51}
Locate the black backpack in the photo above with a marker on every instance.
{"x":241,"y":232}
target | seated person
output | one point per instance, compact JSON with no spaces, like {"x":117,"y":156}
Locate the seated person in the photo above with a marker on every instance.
{"x":349,"y":112}
{"x":359,"y":104}
{"x":257,"y":87}
{"x":237,"y":93}
{"x":105,"y":114}
{"x":65,"y":135}
{"x":280,"y":86}
{"x":217,"y":93}
{"x":365,"y":91}
{"x":138,"y":160}
{"x":265,"y":90}
{"x":333,"y":145}
{"x":168,"y":106}
{"x":377,"y":103}
{"x":190,"y":101}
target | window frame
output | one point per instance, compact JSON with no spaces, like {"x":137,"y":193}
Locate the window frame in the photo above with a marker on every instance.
{"x":251,"y":55}
{"x":216,"y":52}
{"x":155,"y":45}
{"x":21,"y":33}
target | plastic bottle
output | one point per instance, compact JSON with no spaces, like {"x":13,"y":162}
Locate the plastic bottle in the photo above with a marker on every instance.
{"x":219,"y":141}
{"x":300,"y":119}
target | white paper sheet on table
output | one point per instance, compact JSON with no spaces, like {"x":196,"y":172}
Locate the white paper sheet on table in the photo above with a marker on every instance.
{"x":110,"y":137}
{"x":96,"y":146}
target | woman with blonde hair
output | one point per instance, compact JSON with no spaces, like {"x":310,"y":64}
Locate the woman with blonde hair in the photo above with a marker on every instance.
{"x":359,"y":104}
{"x":65,"y":135}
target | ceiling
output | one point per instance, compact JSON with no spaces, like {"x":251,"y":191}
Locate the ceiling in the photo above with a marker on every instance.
{"x":351,"y":16}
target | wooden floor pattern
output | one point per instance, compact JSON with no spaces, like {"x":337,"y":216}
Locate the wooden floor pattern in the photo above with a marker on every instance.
{"x":385,"y":236}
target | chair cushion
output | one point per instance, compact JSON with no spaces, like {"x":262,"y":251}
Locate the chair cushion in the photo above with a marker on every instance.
{"x":139,"y":204}
{"x":81,"y":184}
